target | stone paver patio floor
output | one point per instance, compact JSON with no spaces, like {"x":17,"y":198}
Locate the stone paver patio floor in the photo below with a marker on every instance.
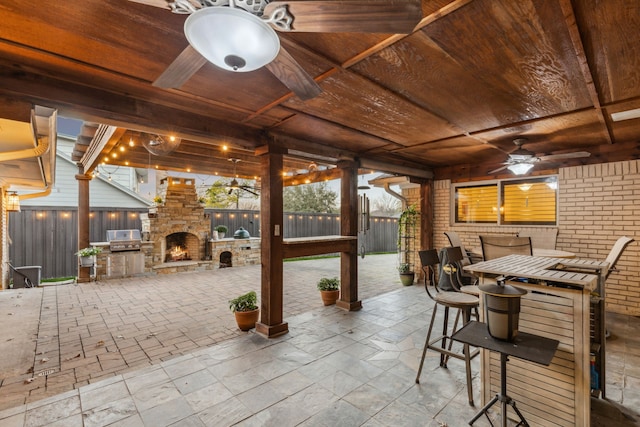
{"x":94,"y":330}
{"x":165,"y":351}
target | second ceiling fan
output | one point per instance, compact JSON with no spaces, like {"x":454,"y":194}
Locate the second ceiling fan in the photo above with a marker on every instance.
{"x":235,"y":185}
{"x":239,"y":36}
{"x":521,"y":160}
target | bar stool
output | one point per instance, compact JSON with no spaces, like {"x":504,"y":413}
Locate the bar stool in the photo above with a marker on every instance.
{"x":462,"y":281}
{"x":459,"y":301}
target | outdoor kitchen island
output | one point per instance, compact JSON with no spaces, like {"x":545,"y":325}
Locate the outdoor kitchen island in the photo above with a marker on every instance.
{"x":558,"y":305}
{"x":221,"y":253}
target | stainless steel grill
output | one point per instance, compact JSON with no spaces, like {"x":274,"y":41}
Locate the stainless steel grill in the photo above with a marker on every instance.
{"x":123,"y":240}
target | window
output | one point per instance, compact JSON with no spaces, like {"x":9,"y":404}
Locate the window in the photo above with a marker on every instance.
{"x":477,"y":204}
{"x":531,"y":201}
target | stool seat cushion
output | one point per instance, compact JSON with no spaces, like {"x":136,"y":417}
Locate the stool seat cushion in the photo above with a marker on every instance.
{"x":457,"y":299}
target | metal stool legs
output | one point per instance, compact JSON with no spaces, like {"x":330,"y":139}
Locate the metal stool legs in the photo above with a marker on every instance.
{"x":445,"y":344}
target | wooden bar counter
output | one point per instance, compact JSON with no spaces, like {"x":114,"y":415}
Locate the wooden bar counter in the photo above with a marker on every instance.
{"x":556,"y":306}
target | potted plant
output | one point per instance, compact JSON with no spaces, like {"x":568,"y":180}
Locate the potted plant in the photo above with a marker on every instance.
{"x":87,"y":256}
{"x":407,"y":275}
{"x":221,"y":229}
{"x":406,"y":239}
{"x":329,"y":290}
{"x":153,"y":209}
{"x":246,"y":310}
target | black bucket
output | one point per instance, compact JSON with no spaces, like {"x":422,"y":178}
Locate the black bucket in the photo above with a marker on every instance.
{"x":502,"y":310}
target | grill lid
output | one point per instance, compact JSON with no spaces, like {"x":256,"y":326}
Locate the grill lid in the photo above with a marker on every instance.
{"x":123,"y":240}
{"x":118,"y":235}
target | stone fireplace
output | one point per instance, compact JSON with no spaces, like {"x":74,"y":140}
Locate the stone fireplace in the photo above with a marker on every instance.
{"x":179,"y":229}
{"x":176,"y":238}
{"x":180,"y":247}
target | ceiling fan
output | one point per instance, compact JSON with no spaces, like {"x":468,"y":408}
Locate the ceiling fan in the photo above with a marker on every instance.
{"x":235,"y":185}
{"x":159,"y":145}
{"x":521,"y":160}
{"x":239,"y":36}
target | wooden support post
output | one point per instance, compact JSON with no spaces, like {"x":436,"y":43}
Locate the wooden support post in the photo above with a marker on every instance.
{"x":349,"y":227}
{"x":271,"y":322}
{"x":426,"y":215}
{"x":84,"y":273}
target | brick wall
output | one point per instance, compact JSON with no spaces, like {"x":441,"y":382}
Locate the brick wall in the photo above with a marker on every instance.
{"x":597,"y":204}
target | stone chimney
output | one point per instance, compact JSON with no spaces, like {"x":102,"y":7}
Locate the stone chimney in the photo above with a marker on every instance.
{"x":179,"y":228}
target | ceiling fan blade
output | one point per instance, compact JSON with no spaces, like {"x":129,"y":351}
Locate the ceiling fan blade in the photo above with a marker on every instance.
{"x":181,"y":69}
{"x":498,"y":170}
{"x":574,"y":155}
{"x":249,"y":191}
{"x":352,"y":16}
{"x":293,"y":76}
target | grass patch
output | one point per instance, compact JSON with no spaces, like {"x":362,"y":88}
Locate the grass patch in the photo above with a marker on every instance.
{"x":58,"y":279}
{"x":305,"y":258}
{"x":336,"y":255}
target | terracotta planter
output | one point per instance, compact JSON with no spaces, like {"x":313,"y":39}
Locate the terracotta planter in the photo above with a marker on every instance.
{"x":329,"y":297}
{"x":247,"y":319}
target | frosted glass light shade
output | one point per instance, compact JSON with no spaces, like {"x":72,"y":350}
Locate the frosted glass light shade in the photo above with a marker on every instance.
{"x":520,"y":168}
{"x":231,"y":38}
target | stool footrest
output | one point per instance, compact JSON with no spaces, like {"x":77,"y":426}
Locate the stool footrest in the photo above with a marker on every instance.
{"x":448,"y":352}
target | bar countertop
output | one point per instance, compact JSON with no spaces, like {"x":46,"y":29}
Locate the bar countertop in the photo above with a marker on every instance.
{"x":576,"y":272}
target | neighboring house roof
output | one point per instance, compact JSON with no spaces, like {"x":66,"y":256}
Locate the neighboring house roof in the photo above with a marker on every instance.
{"x":103,"y":193}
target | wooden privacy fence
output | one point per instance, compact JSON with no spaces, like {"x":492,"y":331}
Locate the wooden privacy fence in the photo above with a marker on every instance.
{"x":48,"y":237}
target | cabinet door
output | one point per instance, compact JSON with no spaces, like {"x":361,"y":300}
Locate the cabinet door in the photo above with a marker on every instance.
{"x":135,"y":263}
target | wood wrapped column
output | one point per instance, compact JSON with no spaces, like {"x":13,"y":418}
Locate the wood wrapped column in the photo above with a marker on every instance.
{"x":84,"y":273}
{"x":427,"y":215}
{"x":349,"y":227}
{"x":271,"y":322}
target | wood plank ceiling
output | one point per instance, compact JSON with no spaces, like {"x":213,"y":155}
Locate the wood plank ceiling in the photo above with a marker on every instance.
{"x":450,"y":97}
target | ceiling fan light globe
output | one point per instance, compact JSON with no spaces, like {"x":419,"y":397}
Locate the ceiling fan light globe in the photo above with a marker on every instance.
{"x":520,"y":168}
{"x":232,"y":38}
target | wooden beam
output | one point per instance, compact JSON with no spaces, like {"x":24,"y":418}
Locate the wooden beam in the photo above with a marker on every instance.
{"x":311,"y":177}
{"x":318,"y":245}
{"x":417,"y":172}
{"x":105,"y":137}
{"x":578,"y":47}
{"x":88,"y":103}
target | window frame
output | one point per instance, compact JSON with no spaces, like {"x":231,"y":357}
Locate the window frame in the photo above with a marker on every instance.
{"x":500,"y":184}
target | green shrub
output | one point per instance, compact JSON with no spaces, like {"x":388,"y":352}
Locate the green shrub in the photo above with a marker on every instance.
{"x":328,"y":284}
{"x":89,"y":251}
{"x":246,"y":302}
